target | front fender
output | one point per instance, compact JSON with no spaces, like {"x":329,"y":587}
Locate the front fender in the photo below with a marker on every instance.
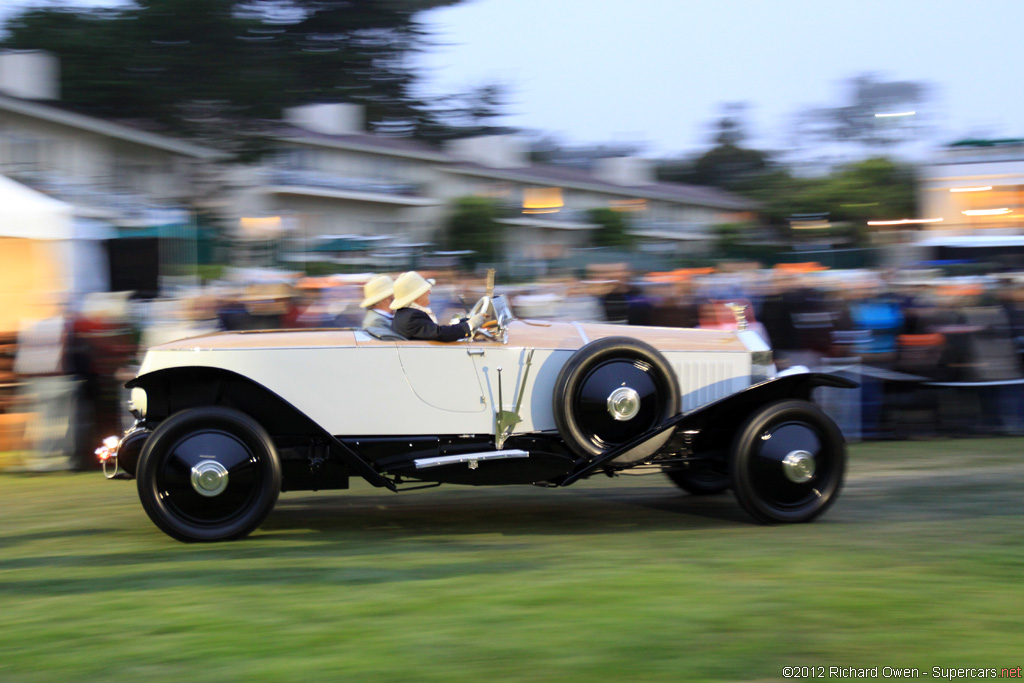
{"x":742,"y":403}
{"x":171,"y":390}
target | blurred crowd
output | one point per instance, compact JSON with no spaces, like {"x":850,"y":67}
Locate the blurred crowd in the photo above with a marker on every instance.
{"x":933,"y":355}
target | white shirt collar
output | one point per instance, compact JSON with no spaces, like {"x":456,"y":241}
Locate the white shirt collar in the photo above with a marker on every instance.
{"x":425,"y":309}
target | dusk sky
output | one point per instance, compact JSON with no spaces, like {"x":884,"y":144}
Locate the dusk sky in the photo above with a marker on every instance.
{"x":657,"y":72}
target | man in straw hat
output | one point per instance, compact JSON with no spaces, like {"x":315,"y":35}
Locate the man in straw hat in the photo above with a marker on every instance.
{"x":415,"y":320}
{"x":378,"y":292}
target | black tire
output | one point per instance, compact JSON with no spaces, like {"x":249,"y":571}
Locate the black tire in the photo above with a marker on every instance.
{"x":243,"y":465}
{"x":701,"y":480}
{"x":771,"y":490}
{"x":587,"y":380}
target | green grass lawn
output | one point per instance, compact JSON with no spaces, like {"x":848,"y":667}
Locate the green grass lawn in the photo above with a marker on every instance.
{"x":918,"y":564}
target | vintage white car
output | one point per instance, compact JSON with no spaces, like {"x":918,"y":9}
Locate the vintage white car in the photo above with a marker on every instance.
{"x":227,"y":421}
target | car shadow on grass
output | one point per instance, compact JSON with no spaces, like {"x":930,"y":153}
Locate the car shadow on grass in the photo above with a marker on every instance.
{"x":508,"y":511}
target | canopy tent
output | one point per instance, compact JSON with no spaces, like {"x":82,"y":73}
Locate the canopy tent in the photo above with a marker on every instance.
{"x":34,"y":232}
{"x":32,"y":215}
{"x":48,"y":257}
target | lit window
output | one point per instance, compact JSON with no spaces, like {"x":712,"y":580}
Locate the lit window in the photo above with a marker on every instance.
{"x":542,"y":200}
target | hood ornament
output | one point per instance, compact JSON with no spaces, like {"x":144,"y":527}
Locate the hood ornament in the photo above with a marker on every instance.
{"x":738,"y":312}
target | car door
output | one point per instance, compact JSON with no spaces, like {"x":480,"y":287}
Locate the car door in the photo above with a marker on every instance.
{"x":443,"y":375}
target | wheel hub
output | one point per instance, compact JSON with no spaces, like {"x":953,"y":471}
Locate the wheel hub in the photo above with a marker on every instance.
{"x":623,"y":404}
{"x":798,"y":466}
{"x":209,"y":478}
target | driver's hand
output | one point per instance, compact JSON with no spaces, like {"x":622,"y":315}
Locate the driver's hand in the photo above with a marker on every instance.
{"x":475,"y":321}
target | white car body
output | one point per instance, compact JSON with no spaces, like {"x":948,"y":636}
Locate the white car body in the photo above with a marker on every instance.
{"x":419,"y":387}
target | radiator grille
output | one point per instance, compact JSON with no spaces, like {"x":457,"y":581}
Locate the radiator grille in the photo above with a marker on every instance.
{"x":704,"y":381}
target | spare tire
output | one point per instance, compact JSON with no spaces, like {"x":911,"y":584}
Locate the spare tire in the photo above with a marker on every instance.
{"x":611,"y":391}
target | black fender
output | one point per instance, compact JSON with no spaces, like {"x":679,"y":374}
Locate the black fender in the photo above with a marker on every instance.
{"x":735,"y":407}
{"x":171,"y":390}
{"x":725,"y":415}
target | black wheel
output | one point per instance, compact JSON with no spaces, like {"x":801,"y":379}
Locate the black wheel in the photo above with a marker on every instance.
{"x":788,"y":462}
{"x":208,"y":474}
{"x":611,"y":391}
{"x":700,"y":480}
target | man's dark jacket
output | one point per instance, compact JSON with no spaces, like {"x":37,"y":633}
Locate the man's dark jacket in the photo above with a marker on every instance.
{"x":413,"y":323}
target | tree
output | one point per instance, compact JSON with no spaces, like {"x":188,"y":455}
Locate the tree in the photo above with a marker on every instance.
{"x":728,"y":164}
{"x":473,"y":224}
{"x":727,"y":237}
{"x":465,"y":114}
{"x":219,"y":67}
{"x":876,"y":114}
{"x":612,"y":228}
{"x":732,"y":125}
{"x":873,"y":189}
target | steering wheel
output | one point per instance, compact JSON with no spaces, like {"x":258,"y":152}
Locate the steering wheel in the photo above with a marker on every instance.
{"x":485,"y":306}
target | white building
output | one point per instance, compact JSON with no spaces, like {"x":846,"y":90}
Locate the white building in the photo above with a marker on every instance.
{"x":329,"y":178}
{"x":119,"y":181}
{"x":976,"y":188}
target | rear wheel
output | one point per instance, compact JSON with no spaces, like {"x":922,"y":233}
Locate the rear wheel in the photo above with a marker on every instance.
{"x":209,"y":474}
{"x":788,"y":462}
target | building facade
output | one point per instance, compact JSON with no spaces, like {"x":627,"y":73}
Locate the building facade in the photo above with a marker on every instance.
{"x":326,"y":182}
{"x":328,"y":179}
{"x":977,"y":188}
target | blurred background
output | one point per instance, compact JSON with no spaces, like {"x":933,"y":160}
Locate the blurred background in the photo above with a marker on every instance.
{"x":174,"y":167}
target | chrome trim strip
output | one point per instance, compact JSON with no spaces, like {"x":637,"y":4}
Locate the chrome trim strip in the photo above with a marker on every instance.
{"x":583,"y":335}
{"x":194,"y":349}
{"x":423,"y":463}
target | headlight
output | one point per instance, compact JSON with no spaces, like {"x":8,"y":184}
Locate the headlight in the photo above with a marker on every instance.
{"x":761,"y":367}
{"x":137,"y":403}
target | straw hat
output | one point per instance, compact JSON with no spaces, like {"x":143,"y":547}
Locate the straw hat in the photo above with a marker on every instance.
{"x":377,"y":289}
{"x":409,"y":287}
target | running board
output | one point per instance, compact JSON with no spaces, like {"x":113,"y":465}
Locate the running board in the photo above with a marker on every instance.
{"x":472,"y":458}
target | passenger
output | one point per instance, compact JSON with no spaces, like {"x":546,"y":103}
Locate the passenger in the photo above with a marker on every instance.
{"x":415,"y":320}
{"x":378,"y":294}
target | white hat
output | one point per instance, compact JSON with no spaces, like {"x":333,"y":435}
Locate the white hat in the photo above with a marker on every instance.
{"x":409,"y":287}
{"x":377,"y":289}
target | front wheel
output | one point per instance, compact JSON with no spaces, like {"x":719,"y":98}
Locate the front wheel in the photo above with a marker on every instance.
{"x":788,"y":461}
{"x":209,"y":474}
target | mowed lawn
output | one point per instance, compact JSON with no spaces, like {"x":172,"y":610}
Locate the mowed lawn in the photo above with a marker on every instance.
{"x":919,"y":564}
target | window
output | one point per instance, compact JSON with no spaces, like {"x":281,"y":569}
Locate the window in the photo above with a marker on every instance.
{"x":537,"y":200}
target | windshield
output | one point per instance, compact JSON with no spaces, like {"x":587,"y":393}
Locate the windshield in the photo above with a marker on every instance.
{"x":502,"y":311}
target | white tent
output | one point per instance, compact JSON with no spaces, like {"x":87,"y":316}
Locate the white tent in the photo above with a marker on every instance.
{"x":29,"y":214}
{"x":47,"y":256}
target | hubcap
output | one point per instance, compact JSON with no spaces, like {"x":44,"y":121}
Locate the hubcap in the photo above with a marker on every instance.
{"x":618,"y":400}
{"x":209,"y":478}
{"x":623,"y":404}
{"x":798,"y":466}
